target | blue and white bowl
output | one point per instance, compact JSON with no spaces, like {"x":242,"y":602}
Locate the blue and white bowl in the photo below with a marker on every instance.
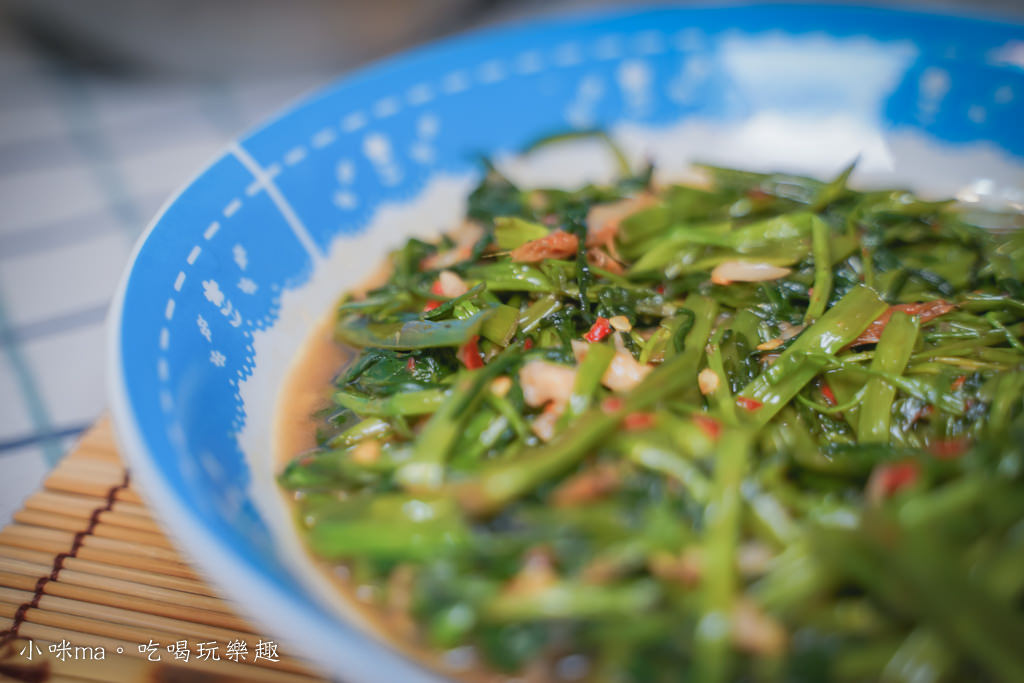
{"x":231,"y":276}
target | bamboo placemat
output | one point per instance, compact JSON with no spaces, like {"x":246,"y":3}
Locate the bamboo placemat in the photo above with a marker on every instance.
{"x":84,"y":565}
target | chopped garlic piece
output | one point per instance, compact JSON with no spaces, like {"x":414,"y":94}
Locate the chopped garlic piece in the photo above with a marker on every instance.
{"x":451,"y":285}
{"x":465,"y":236}
{"x":536,"y":575}
{"x":544,"y":425}
{"x":755,"y":631}
{"x":545,"y":382}
{"x":787,"y":331}
{"x":623,"y":373}
{"x":746,"y":271}
{"x":366,"y":452}
{"x":620,"y":323}
{"x":603,"y":219}
{"x":708,"y":381}
{"x":501,"y":385}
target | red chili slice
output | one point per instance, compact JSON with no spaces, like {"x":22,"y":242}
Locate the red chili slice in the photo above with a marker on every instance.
{"x":599,"y":330}
{"x":411,"y":364}
{"x":708,"y":425}
{"x":830,"y":397}
{"x":612,"y":404}
{"x":750,"y":404}
{"x":636,"y":421}
{"x":958,"y":382}
{"x":434,"y":289}
{"x":928,"y":310}
{"x":949,"y":449}
{"x":469,"y":354}
{"x":924,"y":412}
{"x":889,"y":479}
{"x":528,"y":344}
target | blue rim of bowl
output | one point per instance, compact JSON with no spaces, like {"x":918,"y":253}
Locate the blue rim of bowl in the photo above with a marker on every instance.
{"x":228,"y":571}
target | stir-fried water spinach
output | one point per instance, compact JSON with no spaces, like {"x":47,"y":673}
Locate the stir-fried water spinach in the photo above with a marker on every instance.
{"x":768,"y":428}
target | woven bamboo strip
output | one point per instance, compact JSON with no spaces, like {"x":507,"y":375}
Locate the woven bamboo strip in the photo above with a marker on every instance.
{"x":116,"y":571}
{"x":90,"y":465}
{"x":96,"y":457}
{"x":149,"y":564}
{"x":14,"y":596}
{"x":90,"y":447}
{"x":141,"y":620}
{"x":117,"y":623}
{"x":185,"y":612}
{"x":136,"y":509}
{"x":100,"y":436}
{"x":100,"y":439}
{"x":133,"y":536}
{"x":130,"y":495}
{"x":125,"y":588}
{"x":174,"y":597}
{"x":97,"y":444}
{"x":51,"y":520}
{"x":121,"y":514}
{"x":82,"y":479}
{"x":115,"y":518}
{"x":64,"y":503}
{"x":119,"y":580}
{"x":117,"y":545}
{"x":19,"y":581}
{"x":65,"y":539}
{"x":100,"y":471}
{"x":71,"y":484}
{"x":52,"y":548}
{"x":103,"y":427}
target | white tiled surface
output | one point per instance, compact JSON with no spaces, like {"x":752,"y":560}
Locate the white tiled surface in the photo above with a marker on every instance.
{"x":23,"y":470}
{"x":38,"y":196}
{"x":68,"y":359}
{"x":24,"y":120}
{"x":14,"y":418}
{"x":67,"y":278}
{"x":178,"y":164}
{"x":85,"y":163}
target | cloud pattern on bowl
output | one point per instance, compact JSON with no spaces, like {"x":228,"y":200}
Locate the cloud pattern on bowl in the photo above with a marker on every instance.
{"x":766,"y":85}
